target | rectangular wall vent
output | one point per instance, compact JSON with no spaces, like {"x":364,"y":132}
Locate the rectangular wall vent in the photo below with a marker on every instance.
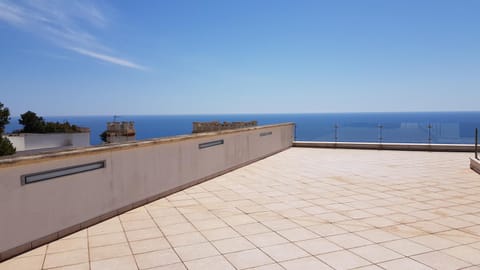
{"x":210,"y":144}
{"x":265,"y":134}
{"x":46,"y":175}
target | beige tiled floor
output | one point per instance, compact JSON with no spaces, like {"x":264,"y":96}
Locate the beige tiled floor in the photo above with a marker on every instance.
{"x":300,"y":209}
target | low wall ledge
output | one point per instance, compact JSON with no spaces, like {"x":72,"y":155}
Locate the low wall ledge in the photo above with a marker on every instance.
{"x":475,"y":165}
{"x":388,"y":146}
{"x":53,"y":154}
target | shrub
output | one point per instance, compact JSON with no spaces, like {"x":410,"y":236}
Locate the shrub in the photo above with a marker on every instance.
{"x":6,"y":147}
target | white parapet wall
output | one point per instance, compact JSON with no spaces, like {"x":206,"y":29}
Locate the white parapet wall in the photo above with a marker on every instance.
{"x":32,"y":141}
{"x":45,"y":197}
{"x":475,"y":165}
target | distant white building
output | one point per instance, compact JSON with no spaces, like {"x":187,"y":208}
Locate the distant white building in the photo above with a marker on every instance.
{"x":118,"y":132}
{"x":33,"y":141}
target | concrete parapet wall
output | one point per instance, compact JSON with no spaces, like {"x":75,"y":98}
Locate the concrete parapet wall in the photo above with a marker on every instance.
{"x":389,"y":146}
{"x":475,"y":165}
{"x":133,"y":174}
{"x":31,"y":141}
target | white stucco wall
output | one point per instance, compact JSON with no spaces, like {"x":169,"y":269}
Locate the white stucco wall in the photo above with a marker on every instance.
{"x":17,"y":141}
{"x":133,"y":172}
{"x":31,"y":141}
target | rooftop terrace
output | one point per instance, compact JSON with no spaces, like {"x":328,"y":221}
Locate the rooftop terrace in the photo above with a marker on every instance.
{"x":303,"y":208}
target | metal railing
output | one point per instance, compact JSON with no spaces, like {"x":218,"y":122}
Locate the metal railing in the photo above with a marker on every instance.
{"x":381,"y":135}
{"x":388,"y":132}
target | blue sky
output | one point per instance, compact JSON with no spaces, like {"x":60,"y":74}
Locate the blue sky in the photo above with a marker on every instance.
{"x":260,"y":56}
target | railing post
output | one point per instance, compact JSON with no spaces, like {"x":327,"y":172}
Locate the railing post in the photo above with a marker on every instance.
{"x":380,"y":133}
{"x":476,"y":143}
{"x":429,"y":133}
{"x":336,"y":132}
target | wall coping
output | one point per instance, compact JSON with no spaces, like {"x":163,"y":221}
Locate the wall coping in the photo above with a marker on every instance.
{"x":389,"y":146}
{"x":8,"y":161}
{"x":46,"y":133}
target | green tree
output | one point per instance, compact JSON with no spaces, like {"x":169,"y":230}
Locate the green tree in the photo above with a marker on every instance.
{"x":6,"y":147}
{"x":32,"y":123}
{"x":4,"y":117}
{"x":35,"y":124}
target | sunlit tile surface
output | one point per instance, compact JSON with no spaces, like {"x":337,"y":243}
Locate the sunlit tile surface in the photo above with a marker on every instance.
{"x":299,"y":209}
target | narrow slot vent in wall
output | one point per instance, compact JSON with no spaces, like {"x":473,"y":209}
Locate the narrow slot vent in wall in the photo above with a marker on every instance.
{"x":265,"y":134}
{"x":46,"y":175}
{"x":210,"y":144}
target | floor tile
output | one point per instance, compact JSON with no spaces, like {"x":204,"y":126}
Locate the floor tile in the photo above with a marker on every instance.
{"x":404,"y":263}
{"x":429,"y":226}
{"x":66,"y":258}
{"x":280,"y":224}
{"x":377,"y":235}
{"x":273,"y":266}
{"x":327,"y":229}
{"x":464,"y":253}
{"x":308,"y":263}
{"x":406,"y":247}
{"x":186,"y":239}
{"x":248,"y":258}
{"x":283,"y":252}
{"x":67,"y":245}
{"x":169,"y":220}
{"x":343,"y":260}
{"x":138,"y":224}
{"x":81,"y":266}
{"x":376,"y":253}
{"x":232,"y":245}
{"x":156,"y":258}
{"x":318,"y":246}
{"x":143,"y":234}
{"x":107,"y":252}
{"x":349,"y":240}
{"x":208,"y":224}
{"x":174,"y":266}
{"x":220,"y":233}
{"x":266,"y":239}
{"x":297,"y":234}
{"x":238,"y":220}
{"x":120,"y":263}
{"x":106,"y":239}
{"x":369,"y":267}
{"x":251,"y":228}
{"x":178,"y":228}
{"x":147,"y":245}
{"x":197,"y":251}
{"x":210,"y":263}
{"x":109,"y":226}
{"x":42,"y":250}
{"x":459,"y":236}
{"x":24,"y":263}
{"x":440,"y":261}
{"x":434,"y":242}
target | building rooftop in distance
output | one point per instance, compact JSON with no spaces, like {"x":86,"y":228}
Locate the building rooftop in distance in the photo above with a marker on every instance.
{"x":303,"y":208}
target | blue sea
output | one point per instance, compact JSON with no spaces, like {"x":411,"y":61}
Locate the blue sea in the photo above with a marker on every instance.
{"x":412,"y":127}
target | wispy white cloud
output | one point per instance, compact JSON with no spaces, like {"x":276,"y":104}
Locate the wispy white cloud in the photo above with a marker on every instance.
{"x":110,"y":59}
{"x":11,"y":14}
{"x":67,"y":24}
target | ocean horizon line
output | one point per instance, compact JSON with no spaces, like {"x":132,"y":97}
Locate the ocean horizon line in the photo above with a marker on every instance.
{"x":264,"y":113}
